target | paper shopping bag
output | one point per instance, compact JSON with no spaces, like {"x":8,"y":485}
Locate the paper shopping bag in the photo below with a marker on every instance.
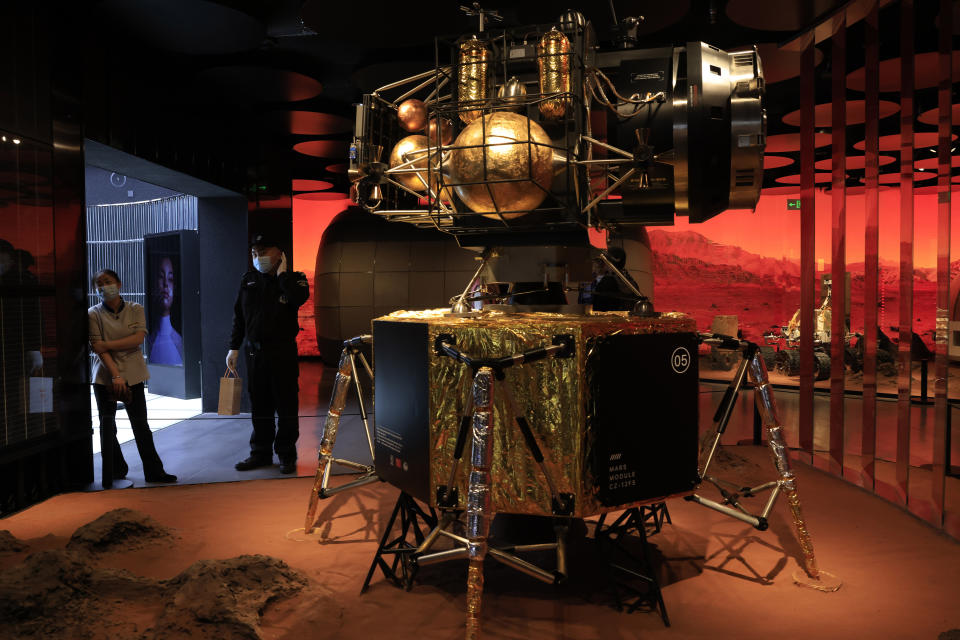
{"x":230,"y":388}
{"x":41,"y":395}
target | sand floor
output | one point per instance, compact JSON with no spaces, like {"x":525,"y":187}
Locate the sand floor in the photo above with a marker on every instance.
{"x":720,"y":577}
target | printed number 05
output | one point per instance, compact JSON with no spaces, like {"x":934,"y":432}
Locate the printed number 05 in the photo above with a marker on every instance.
{"x":680,"y":359}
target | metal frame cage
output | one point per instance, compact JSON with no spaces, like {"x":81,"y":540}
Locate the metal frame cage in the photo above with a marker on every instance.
{"x":513,"y":54}
{"x":680,"y":130}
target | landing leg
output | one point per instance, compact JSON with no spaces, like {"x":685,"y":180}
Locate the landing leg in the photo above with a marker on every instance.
{"x":413,"y":520}
{"x":346,"y":371}
{"x":755,"y":369}
{"x":479,"y":503}
{"x":812,"y":576}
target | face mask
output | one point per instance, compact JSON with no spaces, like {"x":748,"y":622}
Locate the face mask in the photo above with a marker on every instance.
{"x":108,"y":291}
{"x":263,"y":263}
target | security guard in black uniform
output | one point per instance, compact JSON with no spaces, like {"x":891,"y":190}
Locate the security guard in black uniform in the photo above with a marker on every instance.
{"x":266,"y":315}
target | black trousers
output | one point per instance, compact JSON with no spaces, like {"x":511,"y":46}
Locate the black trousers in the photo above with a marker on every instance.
{"x":113,"y":462}
{"x":273,"y":386}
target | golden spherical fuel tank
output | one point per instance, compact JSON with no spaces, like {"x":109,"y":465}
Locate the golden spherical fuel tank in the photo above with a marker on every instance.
{"x":440,"y":131}
{"x":411,"y":148}
{"x":498,"y":168}
{"x":444,"y":195}
{"x":412,"y":114}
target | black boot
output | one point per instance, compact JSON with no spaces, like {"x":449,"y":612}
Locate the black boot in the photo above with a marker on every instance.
{"x":288,"y":465}
{"x":253,"y":462}
{"x":163,"y":476}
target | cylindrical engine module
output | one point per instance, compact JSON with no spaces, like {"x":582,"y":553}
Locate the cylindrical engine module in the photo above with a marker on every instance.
{"x":702,"y":128}
{"x":553,"y":56}
{"x":472,"y":78}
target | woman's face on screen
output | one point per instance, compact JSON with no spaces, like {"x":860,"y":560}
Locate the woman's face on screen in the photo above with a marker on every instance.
{"x":165,"y":285}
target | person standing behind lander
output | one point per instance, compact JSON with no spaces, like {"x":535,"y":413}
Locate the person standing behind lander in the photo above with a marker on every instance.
{"x":610,"y":293}
{"x":265,"y":322}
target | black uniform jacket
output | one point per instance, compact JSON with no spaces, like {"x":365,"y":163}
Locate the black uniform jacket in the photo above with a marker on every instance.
{"x":611,"y":294}
{"x":266,"y":309}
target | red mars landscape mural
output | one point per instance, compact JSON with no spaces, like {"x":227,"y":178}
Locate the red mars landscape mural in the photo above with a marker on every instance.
{"x":747,"y":263}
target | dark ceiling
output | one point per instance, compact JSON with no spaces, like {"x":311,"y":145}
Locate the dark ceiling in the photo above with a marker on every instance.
{"x":265,"y":87}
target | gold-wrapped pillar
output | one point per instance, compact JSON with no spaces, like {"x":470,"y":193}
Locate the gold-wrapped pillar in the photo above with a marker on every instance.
{"x":479,"y":502}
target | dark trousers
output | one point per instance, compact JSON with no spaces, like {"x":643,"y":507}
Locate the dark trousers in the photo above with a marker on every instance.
{"x":113,"y":463}
{"x":273,"y":387}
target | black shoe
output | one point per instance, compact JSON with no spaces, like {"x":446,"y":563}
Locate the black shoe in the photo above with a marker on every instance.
{"x":161,"y":477}
{"x":253,"y":462}
{"x":119,"y":474}
{"x":288,"y":466}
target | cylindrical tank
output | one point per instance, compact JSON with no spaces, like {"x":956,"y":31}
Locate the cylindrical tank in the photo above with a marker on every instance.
{"x":473,"y":61}
{"x":553,"y":56}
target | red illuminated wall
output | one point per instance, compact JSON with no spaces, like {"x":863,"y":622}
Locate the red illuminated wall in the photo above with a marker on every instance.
{"x":310,"y":219}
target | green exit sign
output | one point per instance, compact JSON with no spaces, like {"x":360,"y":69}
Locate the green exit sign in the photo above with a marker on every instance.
{"x":793,"y":204}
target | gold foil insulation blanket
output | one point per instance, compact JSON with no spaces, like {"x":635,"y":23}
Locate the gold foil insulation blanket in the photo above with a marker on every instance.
{"x":553,"y":56}
{"x":552,"y":393}
{"x":474,"y":598}
{"x":806,"y":544}
{"x":547,"y":391}
{"x":338,"y":399}
{"x":472,"y":78}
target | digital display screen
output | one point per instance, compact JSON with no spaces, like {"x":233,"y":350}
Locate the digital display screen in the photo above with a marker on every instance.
{"x":164,"y":342}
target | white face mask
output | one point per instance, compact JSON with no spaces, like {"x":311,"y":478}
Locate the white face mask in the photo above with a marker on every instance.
{"x":108,"y":291}
{"x":263,"y":263}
